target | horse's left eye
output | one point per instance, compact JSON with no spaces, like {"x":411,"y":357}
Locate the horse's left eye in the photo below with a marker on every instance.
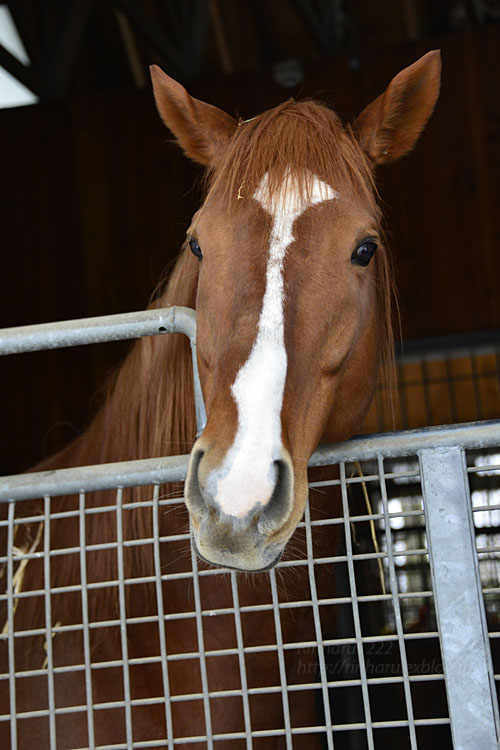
{"x":195,"y":248}
{"x":364,"y":253}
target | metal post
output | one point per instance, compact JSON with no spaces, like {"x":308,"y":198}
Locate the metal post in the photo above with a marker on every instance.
{"x":459,"y":602}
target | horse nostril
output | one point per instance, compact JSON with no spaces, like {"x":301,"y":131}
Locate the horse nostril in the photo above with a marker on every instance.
{"x":193,"y":492}
{"x":279,"y":507}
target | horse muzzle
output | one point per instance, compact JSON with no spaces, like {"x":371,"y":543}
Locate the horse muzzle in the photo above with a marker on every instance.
{"x":253,"y":537}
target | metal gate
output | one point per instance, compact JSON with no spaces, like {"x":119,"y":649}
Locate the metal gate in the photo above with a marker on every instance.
{"x":399,"y":628}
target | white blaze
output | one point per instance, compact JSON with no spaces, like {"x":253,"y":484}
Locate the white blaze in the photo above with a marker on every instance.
{"x":247,"y":474}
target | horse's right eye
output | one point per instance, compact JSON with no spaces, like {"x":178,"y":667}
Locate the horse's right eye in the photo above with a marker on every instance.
{"x":195,"y":248}
{"x":364,"y":253}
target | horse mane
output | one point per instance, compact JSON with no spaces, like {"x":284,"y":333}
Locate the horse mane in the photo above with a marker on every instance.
{"x":148,"y":410}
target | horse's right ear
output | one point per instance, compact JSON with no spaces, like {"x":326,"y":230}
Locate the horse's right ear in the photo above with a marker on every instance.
{"x":201,"y":129}
{"x":390,"y":126}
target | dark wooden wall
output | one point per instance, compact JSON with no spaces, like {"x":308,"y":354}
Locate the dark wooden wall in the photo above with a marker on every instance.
{"x":96,"y":200}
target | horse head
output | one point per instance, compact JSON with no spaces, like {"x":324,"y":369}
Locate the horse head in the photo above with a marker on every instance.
{"x":293,"y":300}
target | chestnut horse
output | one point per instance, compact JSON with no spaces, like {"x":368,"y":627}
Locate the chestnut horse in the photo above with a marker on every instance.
{"x":286,"y":267}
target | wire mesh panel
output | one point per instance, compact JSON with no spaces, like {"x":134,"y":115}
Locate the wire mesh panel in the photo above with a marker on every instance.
{"x":441,"y":381}
{"x":484,"y":477}
{"x":115,"y":636}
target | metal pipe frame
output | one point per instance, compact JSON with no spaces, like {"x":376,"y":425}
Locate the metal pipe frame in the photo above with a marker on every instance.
{"x":459,"y":601}
{"x":171,"y":469}
{"x":98,"y":330}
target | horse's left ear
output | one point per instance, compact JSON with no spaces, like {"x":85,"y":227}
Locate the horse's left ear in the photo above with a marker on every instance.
{"x":200,"y":128}
{"x":390,"y":126}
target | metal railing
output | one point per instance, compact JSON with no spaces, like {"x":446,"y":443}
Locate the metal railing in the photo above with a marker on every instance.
{"x":440,"y":381}
{"x":332,"y":662}
{"x":22,"y":339}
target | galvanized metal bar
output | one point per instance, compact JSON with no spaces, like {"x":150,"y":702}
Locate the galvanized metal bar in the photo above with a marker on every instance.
{"x":209,"y":572}
{"x":355,"y":609}
{"x":241,"y":660}
{"x":201,"y":649}
{"x":475,"y":435}
{"x":212,"y":612}
{"x":161,"y":619}
{"x":65,"y":710}
{"x":260,"y":733}
{"x":85,"y":622}
{"x":123,"y":619}
{"x":10,"y":626}
{"x":459,"y":603}
{"x":397,"y":607}
{"x":104,"y":328}
{"x":281,"y":661}
{"x":318,"y":630}
{"x":199,"y":403}
{"x":297,"y":687}
{"x":97,"y":330}
{"x":48,"y":624}
{"x":91,"y":478}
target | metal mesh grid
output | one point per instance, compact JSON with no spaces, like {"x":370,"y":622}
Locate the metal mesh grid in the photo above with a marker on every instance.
{"x":320,"y":652}
{"x":441,"y":383}
{"x":484,"y":476}
{"x":113,"y":638}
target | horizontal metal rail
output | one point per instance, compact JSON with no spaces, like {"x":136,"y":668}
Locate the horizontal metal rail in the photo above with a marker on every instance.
{"x":469,"y":436}
{"x":476,"y":435}
{"x":92,"y":478}
{"x":105,"y":328}
{"x":98,"y":330}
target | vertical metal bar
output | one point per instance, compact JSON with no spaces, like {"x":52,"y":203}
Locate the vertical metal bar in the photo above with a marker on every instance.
{"x":201,"y":648}
{"x":355,"y":609}
{"x":241,"y":659}
{"x":85,"y":623}
{"x":281,"y":660}
{"x":161,"y":617}
{"x":396,"y":605}
{"x":123,"y":617}
{"x":199,"y":403}
{"x":48,"y":623}
{"x":10,"y":625}
{"x":459,"y":602}
{"x":317,"y":627}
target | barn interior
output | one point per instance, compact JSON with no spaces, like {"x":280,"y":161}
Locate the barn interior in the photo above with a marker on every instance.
{"x":96,"y":200}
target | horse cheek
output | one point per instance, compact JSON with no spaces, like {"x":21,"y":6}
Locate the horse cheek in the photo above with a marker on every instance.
{"x":353,"y":395}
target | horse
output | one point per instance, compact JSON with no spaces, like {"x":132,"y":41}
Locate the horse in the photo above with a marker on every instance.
{"x":286,"y":266}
